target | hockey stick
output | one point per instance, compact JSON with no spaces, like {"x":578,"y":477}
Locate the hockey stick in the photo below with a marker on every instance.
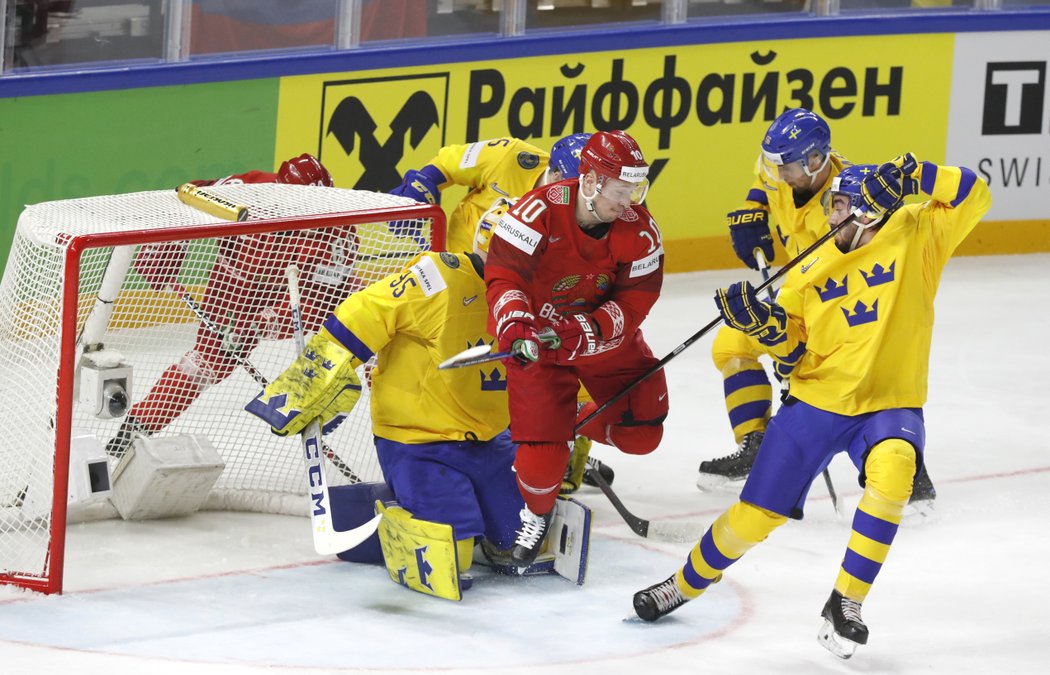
{"x":763,"y":267}
{"x":714,"y":323}
{"x":640,"y":526}
{"x":327,"y":540}
{"x":255,"y":373}
{"x":472,"y":357}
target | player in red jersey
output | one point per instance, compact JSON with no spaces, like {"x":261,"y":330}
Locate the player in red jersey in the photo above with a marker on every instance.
{"x":573,"y":269}
{"x":246,"y":297}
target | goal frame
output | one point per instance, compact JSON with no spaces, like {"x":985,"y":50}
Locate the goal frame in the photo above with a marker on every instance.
{"x":52,"y":581}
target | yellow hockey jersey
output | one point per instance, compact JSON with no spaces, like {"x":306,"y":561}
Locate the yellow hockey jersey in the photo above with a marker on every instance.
{"x":413,"y":321}
{"x":865,"y":318}
{"x":797,"y":226}
{"x":501,"y":167}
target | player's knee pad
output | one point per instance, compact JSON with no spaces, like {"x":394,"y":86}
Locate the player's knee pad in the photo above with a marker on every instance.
{"x":890,"y":469}
{"x":743,"y":526}
{"x":636,"y":440}
{"x":539,"y":468}
{"x":197,"y":369}
{"x":420,"y":554}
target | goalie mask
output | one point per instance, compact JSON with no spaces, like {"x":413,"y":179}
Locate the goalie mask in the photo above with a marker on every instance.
{"x":790,"y":141}
{"x":619,"y":165}
{"x":487,"y":225}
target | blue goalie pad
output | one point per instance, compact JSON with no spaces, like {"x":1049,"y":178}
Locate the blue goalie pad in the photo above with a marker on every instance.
{"x":354,"y":505}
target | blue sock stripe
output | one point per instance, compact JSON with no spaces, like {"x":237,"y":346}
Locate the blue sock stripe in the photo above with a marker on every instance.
{"x":745,"y":378}
{"x":693,"y":578}
{"x":347,"y":338}
{"x":860,"y":567}
{"x":874,"y":528}
{"x":755,"y":410}
{"x":712,"y":556}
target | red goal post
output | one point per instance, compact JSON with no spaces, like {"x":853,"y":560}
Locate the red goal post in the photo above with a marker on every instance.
{"x":200,"y":302}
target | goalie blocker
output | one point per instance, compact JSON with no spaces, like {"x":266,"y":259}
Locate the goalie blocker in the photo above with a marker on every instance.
{"x":423,"y":555}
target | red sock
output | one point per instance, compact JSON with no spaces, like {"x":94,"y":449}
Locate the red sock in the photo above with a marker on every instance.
{"x":540,"y":467}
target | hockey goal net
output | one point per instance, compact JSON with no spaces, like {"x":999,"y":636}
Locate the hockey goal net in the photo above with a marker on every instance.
{"x":199,"y":314}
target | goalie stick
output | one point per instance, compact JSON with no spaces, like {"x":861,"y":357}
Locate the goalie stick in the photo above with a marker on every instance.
{"x":763,"y":267}
{"x":327,"y":540}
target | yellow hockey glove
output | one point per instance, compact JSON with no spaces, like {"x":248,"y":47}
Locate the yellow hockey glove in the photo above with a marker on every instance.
{"x":320,"y":384}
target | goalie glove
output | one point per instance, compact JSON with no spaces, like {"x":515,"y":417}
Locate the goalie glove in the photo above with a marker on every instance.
{"x":741,"y":309}
{"x":320,"y":385}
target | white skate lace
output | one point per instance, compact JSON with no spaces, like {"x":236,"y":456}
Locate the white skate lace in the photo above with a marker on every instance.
{"x":667,"y":595}
{"x":851,"y":610}
{"x":532,"y":529}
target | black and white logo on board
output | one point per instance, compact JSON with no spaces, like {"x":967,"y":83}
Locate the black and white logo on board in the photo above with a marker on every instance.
{"x":1015,"y":98}
{"x":373,"y":129}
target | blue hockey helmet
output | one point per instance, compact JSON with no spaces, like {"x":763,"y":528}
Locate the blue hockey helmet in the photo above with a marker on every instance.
{"x":848,"y":183}
{"x":794,"y":135}
{"x":565,"y":154}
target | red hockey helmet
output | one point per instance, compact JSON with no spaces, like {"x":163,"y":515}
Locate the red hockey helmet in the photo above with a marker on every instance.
{"x":304,"y":170}
{"x":615,"y":155}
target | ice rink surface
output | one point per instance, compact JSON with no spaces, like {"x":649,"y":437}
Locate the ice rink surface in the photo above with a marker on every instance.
{"x":963,"y":591}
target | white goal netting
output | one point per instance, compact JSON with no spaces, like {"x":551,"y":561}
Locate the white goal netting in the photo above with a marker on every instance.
{"x":191,"y":373}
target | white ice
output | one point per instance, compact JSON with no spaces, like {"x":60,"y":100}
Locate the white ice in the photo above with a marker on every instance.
{"x":962,"y":591}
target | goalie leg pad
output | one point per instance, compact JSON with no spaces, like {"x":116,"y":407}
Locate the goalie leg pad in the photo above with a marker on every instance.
{"x":354,"y":505}
{"x":569,"y":538}
{"x":565,"y":549}
{"x":419,"y":554}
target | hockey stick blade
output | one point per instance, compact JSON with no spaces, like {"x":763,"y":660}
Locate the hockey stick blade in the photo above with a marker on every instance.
{"x":639,"y":526}
{"x":332,"y":542}
{"x":472,"y":357}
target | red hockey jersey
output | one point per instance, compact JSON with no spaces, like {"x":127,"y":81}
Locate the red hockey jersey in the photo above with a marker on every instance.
{"x":540,"y":250}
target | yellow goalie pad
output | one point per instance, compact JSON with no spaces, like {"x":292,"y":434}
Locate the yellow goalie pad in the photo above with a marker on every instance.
{"x":419,"y":554}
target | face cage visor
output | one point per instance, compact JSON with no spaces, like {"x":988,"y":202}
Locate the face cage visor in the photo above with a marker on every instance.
{"x":775,"y":168}
{"x":632,"y":185}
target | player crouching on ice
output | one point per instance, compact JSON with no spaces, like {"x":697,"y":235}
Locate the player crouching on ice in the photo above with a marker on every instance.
{"x":441,"y":435}
{"x":855,"y":320}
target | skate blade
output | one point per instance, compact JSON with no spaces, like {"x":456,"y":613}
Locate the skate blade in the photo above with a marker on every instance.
{"x":707,"y":482}
{"x":920,"y":509}
{"x":835,"y":643}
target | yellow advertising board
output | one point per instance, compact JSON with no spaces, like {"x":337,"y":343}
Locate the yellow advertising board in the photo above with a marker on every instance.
{"x":698,"y":112}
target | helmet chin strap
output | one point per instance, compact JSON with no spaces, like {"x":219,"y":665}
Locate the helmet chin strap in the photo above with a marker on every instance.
{"x":862,"y":227}
{"x":589,"y":201}
{"x":813,"y":174}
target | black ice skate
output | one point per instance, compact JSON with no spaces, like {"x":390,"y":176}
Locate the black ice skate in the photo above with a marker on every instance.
{"x":843,"y":628}
{"x":922,"y":490}
{"x":530,"y":537}
{"x":605,"y":470}
{"x":658,"y":600}
{"x":717,"y":473}
{"x":119,"y":444}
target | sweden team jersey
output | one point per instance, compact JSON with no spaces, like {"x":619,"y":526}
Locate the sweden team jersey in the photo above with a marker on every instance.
{"x":797,"y":226}
{"x":865,"y":318}
{"x":501,"y":167}
{"x":413,"y":321}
